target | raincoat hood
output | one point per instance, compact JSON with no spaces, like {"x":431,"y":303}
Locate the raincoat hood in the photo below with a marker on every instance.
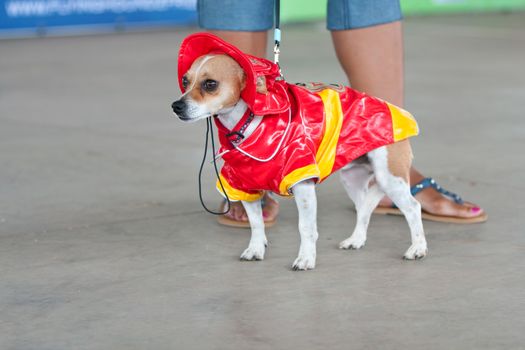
{"x":274,"y":101}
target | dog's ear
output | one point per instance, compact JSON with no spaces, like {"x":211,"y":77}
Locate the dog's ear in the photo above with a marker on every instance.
{"x":242,"y":78}
{"x":261,"y":85}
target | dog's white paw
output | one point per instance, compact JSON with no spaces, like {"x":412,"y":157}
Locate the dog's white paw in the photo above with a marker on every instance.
{"x":353,"y":242}
{"x":304,"y":262}
{"x":416,"y":251}
{"x":254,"y":252}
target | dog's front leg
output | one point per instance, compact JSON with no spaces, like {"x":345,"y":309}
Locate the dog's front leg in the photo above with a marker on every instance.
{"x":306,"y":200}
{"x":258,"y":242}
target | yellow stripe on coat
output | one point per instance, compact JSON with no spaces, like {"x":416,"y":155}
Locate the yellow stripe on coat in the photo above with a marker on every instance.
{"x":325,"y":156}
{"x":403,"y":123}
{"x":299,"y":174}
{"x":235,"y":194}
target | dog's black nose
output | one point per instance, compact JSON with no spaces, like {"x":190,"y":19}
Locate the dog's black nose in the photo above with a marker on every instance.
{"x":178,"y":106}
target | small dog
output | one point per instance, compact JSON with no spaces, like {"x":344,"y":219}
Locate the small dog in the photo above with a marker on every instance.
{"x":219,"y":80}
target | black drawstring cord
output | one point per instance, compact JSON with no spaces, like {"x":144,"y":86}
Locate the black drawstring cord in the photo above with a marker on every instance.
{"x":209,"y":126}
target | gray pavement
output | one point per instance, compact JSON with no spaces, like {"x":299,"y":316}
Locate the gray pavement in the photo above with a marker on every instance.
{"x":104,"y":245}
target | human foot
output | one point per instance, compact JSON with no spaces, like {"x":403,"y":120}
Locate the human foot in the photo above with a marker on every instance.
{"x":237,"y":217}
{"x":435,"y":206}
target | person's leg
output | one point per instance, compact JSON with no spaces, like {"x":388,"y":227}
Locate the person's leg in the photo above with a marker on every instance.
{"x":253,"y":43}
{"x":244,"y":24}
{"x":372,"y":57}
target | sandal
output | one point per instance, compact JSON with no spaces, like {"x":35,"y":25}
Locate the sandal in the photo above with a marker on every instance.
{"x":226,"y":221}
{"x":429,"y":182}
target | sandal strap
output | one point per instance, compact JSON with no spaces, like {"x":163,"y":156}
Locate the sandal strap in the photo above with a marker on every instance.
{"x":430,"y":182}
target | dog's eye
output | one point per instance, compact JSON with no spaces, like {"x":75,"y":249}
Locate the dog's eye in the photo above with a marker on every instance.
{"x":210,"y":85}
{"x":185,"y":82}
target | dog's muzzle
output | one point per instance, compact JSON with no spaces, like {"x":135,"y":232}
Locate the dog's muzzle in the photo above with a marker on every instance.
{"x":179,"y":107}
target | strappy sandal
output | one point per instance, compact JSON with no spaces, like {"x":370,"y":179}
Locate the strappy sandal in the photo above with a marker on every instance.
{"x":429,"y":182}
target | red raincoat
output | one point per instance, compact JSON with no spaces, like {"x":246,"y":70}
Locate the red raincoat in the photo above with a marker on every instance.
{"x":308,"y":131}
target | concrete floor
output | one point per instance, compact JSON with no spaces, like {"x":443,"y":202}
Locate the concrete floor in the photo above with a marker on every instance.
{"x":104,"y":245}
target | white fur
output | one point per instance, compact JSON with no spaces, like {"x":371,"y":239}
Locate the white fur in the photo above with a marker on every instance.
{"x":197,"y":111}
{"x":306,"y":200}
{"x":197,"y":71}
{"x":356,"y":179}
{"x":399,"y":192}
{"x":258,"y":241}
{"x":231,"y":116}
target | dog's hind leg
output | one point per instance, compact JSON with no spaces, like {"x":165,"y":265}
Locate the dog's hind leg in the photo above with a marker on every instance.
{"x":356,"y":179}
{"x":304,"y":193}
{"x":258,"y":241}
{"x":394,"y":181}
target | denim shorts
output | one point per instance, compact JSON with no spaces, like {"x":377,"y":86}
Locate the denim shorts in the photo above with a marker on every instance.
{"x":257,"y":15}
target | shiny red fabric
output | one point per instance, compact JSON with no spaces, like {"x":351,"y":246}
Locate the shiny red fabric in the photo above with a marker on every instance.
{"x":275,"y":101}
{"x":367,"y":124}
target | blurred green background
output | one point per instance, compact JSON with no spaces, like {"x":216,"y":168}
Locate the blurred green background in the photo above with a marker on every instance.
{"x":303,"y":10}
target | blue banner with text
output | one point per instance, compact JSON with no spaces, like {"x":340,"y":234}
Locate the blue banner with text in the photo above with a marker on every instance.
{"x":40,"y":16}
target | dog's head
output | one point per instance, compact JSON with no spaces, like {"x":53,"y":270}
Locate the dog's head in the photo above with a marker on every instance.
{"x":214,"y":75}
{"x":212,"y":85}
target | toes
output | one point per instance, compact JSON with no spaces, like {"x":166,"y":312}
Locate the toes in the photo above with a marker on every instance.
{"x":303,"y":264}
{"x":352,"y":243}
{"x":434,"y":203}
{"x":237,"y":212}
{"x":475,"y":211}
{"x":270,"y":209}
{"x":251,"y":257}
{"x":416,"y":252}
{"x":251,"y":254}
{"x":239,"y":215}
{"x":350,"y":246}
{"x":461,"y":210}
{"x":414,"y":257}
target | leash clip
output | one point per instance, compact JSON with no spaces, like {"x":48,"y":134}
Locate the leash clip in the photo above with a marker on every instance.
{"x":239,"y":136}
{"x":277,"y":41}
{"x":276,"y":50}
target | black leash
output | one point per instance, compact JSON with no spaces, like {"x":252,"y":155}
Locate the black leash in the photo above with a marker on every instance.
{"x":278,"y":18}
{"x":277,"y":35}
{"x":209,"y":122}
{"x":209,"y":127}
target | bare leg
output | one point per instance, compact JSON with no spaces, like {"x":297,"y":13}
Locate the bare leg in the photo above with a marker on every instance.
{"x":372,"y":58}
{"x":252,"y":43}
